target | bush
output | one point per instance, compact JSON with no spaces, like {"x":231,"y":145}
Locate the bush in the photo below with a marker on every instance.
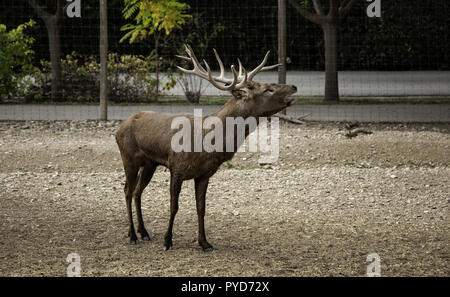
{"x":16,"y":58}
{"x":130,"y":80}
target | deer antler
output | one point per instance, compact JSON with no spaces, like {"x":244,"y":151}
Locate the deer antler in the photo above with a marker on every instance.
{"x":261,"y":67}
{"x":239,"y":79}
{"x":206,"y":74}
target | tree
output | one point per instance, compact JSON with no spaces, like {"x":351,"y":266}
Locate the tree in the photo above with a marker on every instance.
{"x":52,"y":23}
{"x":337,"y":10}
{"x":16,"y":57}
{"x":153,"y":17}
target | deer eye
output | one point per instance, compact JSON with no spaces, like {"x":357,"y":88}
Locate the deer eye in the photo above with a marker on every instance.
{"x":269,"y":90}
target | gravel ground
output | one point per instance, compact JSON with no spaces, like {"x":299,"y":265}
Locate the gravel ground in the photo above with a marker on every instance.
{"x":319,"y":211}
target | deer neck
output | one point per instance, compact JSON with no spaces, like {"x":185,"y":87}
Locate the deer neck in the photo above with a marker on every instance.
{"x":233,"y":108}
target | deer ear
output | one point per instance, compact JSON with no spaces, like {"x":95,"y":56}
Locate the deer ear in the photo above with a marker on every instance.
{"x":239,"y":94}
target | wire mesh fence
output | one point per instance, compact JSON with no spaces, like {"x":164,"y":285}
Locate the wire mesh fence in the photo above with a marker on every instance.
{"x":399,"y":51}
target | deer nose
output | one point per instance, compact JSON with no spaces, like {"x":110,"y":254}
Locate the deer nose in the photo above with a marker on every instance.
{"x":294,"y":87}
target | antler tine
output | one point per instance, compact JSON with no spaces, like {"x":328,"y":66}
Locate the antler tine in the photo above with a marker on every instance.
{"x":240,"y":68}
{"x":194,"y":58}
{"x":222,"y":69}
{"x":184,"y":58}
{"x":214,"y":83}
{"x":185,"y":70}
{"x":244,"y":80}
{"x":261,"y":67}
{"x":270,"y":67}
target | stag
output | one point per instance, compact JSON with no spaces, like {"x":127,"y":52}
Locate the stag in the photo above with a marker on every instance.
{"x":144,"y":141}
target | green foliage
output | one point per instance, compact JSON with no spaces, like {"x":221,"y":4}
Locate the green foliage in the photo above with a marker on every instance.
{"x":152,"y":16}
{"x":16,"y":58}
{"x":410,"y":35}
{"x":129,"y":80}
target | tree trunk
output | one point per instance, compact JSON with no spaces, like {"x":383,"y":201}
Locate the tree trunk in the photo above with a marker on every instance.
{"x":54,"y":39}
{"x":330,"y":24}
{"x":330,"y":32}
{"x":52,"y":22}
{"x":282,"y":44}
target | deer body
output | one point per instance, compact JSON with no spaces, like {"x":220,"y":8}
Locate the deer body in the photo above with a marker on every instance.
{"x":144,"y":141}
{"x":145,"y":137}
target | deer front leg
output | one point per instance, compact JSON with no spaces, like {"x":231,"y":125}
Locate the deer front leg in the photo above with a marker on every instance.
{"x":175,"y":188}
{"x":201,"y":185}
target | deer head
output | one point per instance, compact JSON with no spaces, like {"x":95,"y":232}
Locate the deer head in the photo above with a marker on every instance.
{"x":258,"y":99}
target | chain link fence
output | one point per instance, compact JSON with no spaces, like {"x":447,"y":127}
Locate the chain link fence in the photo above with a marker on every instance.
{"x":385,"y":49}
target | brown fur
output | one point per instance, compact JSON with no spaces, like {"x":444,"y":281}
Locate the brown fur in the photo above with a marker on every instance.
{"x":144,"y":141}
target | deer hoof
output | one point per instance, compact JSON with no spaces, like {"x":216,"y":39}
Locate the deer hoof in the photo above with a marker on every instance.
{"x":133,"y":241}
{"x":167,"y":244}
{"x":208,"y":249}
{"x":144,"y":235}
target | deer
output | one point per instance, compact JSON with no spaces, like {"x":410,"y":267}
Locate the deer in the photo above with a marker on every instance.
{"x":144,"y":141}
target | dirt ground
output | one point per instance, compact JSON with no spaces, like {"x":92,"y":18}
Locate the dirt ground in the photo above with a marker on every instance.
{"x":319,"y":211}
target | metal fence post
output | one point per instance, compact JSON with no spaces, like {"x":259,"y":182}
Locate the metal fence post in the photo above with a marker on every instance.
{"x":282,"y":43}
{"x":103,"y":60}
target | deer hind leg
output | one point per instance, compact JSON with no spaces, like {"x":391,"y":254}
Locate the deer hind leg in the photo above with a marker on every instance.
{"x":175,"y":188}
{"x":131,"y":172}
{"x":145,"y":175}
{"x":201,"y":185}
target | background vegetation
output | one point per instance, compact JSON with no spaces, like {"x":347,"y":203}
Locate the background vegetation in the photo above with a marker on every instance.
{"x":410,"y":35}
